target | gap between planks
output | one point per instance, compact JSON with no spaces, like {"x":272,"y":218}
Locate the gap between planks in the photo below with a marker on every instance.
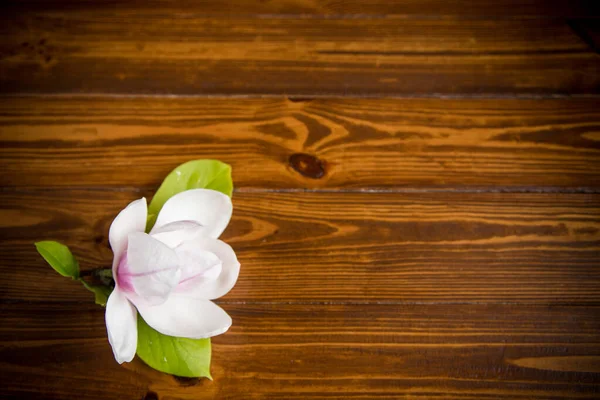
{"x":374,"y":190}
{"x":343,"y":303}
{"x":300,"y":97}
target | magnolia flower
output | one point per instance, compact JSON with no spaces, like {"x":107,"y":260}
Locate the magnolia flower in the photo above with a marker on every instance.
{"x":171,"y":275}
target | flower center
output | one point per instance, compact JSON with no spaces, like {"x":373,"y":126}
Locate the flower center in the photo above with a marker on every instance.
{"x":123,"y":277}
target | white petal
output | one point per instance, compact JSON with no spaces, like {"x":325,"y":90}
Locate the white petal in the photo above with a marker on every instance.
{"x":121,"y":325}
{"x":146,"y":254}
{"x":209,"y":208}
{"x":155,"y":287}
{"x":186,"y":317}
{"x":198,"y":266}
{"x":230,"y":270}
{"x":150,"y":267}
{"x":131,"y":219}
{"x":175,"y":233}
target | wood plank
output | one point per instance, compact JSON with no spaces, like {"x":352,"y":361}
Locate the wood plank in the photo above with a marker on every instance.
{"x":418,"y":8}
{"x":353,"y":143}
{"x":588,"y":30}
{"x":130,"y":53}
{"x":317,"y":352}
{"x":342,"y":247}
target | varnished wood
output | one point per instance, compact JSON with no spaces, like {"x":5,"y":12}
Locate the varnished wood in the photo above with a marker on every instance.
{"x":322,"y":351}
{"x":343,"y":247}
{"x":356,"y":143}
{"x":417,"y":204}
{"x":132,"y":53}
{"x":409,"y":8}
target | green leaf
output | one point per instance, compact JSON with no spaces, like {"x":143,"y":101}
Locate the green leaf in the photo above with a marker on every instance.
{"x":101,"y":292}
{"x":198,"y":174}
{"x":173,"y":355}
{"x":59,"y":257}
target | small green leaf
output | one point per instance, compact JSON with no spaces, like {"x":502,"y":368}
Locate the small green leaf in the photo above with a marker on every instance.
{"x":59,"y":257}
{"x":173,"y":355}
{"x":198,"y":174}
{"x":101,"y":292}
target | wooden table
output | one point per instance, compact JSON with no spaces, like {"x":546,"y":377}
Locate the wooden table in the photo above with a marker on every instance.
{"x":417,"y":202}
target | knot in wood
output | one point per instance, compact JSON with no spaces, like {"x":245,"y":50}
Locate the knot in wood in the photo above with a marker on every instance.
{"x":307,"y":165}
{"x":151,"y":396}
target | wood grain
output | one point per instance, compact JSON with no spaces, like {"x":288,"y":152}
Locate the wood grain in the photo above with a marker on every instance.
{"x":353,"y":143}
{"x":317,"y":352}
{"x":410,"y":8}
{"x":132,"y":53}
{"x":343,"y":247}
{"x":417,"y":204}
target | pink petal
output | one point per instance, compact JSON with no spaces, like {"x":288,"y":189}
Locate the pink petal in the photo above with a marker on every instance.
{"x":186,"y":317}
{"x":198,"y":266}
{"x":211,"y":288}
{"x":209,"y":208}
{"x":150,"y":268}
{"x":131,"y":219}
{"x":175,"y":233}
{"x":121,"y":326}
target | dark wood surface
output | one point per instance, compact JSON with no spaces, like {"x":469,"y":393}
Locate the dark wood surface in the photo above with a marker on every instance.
{"x":182,"y":54}
{"x":352,"y":143}
{"x":364,"y":247}
{"x":417,"y":203}
{"x":296,"y":351}
{"x":328,"y":8}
